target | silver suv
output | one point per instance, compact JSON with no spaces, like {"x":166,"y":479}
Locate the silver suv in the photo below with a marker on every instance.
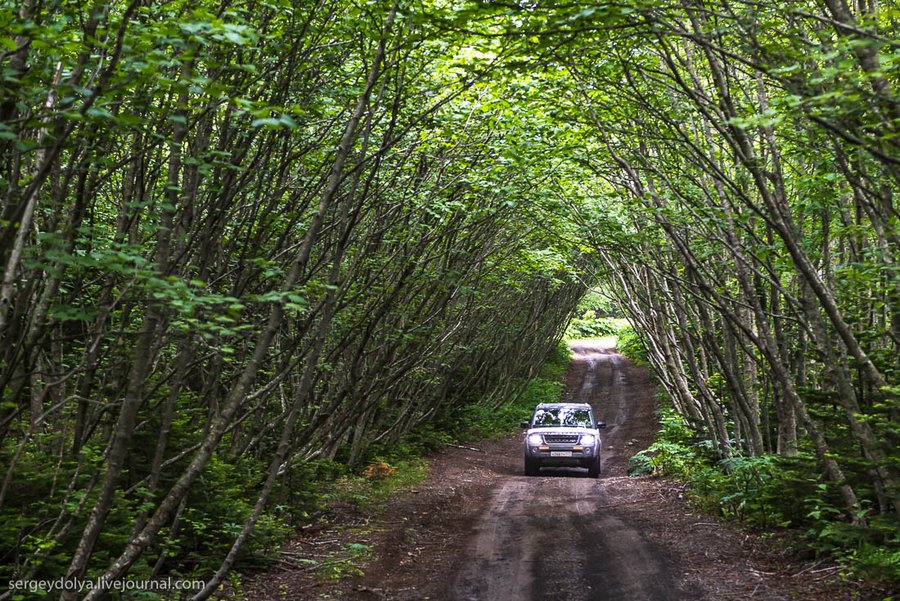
{"x":562,"y":435}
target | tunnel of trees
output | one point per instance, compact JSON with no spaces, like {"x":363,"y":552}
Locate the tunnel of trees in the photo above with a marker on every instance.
{"x":242,"y":237}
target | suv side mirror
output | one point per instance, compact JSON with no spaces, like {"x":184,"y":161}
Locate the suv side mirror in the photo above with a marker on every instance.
{"x":601,"y":425}
{"x":524,"y":424}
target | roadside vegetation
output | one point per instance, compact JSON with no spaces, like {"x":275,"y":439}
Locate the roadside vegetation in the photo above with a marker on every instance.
{"x":588,"y":325}
{"x":770,"y":493}
{"x":595,"y":317}
{"x":391,"y":471}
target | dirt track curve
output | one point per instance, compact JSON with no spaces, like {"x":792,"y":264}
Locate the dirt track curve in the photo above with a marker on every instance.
{"x":479,"y":530}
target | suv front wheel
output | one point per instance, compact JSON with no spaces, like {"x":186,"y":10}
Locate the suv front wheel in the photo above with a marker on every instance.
{"x":594,"y":468}
{"x":532,"y":468}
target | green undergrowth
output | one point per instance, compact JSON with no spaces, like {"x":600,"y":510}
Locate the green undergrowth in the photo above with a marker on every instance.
{"x":343,"y":563}
{"x":776,"y":493}
{"x":378,"y":481}
{"x":589,"y":325}
{"x":208,"y":522}
{"x":629,"y":344}
{"x":215,"y":512}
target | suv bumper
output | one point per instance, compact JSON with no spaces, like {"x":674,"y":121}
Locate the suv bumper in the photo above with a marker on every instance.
{"x":561,"y":455}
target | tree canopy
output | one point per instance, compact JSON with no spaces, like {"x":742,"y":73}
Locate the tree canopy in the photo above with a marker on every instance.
{"x":241,"y":238}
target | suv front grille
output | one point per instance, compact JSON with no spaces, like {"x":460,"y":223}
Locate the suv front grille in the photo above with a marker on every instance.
{"x":561,"y":438}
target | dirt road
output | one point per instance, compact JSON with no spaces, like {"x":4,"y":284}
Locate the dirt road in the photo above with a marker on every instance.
{"x":479,"y":530}
{"x":565,"y":536}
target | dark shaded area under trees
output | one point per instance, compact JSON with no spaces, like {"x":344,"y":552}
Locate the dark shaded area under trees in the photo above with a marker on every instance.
{"x":244,"y":240}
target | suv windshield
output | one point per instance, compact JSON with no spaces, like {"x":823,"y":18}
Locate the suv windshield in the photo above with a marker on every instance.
{"x":569,"y":417}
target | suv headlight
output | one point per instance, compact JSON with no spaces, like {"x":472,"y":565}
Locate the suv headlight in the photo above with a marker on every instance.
{"x":535,"y":439}
{"x":587,"y":440}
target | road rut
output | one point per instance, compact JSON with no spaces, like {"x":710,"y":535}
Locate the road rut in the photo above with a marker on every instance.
{"x":562,"y":535}
{"x":479,"y":530}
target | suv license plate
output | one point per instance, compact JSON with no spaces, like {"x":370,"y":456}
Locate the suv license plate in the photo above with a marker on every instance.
{"x":560,"y":453}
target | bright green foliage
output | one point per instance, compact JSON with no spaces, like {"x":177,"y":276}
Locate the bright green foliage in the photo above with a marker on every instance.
{"x":588,"y":325}
{"x":243,"y":243}
{"x":629,"y":344}
{"x":770,"y":492}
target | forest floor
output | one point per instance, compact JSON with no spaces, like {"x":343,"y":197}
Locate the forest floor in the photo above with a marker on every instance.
{"x":479,"y":530}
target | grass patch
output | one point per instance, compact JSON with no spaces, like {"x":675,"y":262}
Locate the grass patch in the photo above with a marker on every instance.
{"x":344,"y":563}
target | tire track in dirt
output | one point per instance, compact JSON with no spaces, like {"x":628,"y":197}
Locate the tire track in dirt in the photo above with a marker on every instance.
{"x":480,"y":530}
{"x":554,"y":536}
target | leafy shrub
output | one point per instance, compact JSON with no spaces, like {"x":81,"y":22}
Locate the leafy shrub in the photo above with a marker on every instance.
{"x":215,"y":514}
{"x":872,"y":550}
{"x":591,"y":326}
{"x":300,"y":494}
{"x":377,"y":482}
{"x":203,"y":534}
{"x":628,"y":343}
{"x":773,"y":491}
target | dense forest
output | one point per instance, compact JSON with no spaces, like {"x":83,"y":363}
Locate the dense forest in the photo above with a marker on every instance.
{"x":246,"y":240}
